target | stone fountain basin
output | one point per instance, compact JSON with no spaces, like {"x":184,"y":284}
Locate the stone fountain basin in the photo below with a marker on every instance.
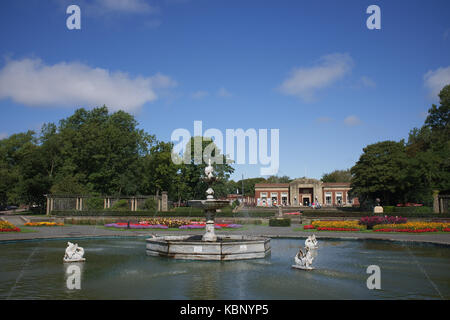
{"x":230,"y":247}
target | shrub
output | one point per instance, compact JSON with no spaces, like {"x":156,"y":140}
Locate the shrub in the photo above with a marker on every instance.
{"x":235,"y":204}
{"x":421,"y":209}
{"x":280,"y":222}
{"x":95,"y":203}
{"x":388,"y":209}
{"x":121,"y":205}
{"x":102,"y":213}
{"x":150,"y":204}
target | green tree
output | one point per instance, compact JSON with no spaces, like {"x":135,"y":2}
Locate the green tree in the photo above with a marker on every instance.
{"x":276,"y":179}
{"x":195,"y":161}
{"x":337,"y":176}
{"x":249,"y":186}
{"x":99,"y":151}
{"x":159,"y":170}
{"x":23,"y":178}
{"x":382,"y":171}
{"x":429,"y":146}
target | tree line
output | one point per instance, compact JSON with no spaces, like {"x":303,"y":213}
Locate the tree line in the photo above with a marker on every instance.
{"x":100,"y":153}
{"x":408,"y":171}
{"x":97,"y":153}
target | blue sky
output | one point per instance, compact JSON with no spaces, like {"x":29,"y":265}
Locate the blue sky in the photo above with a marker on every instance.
{"x":311,"y":69}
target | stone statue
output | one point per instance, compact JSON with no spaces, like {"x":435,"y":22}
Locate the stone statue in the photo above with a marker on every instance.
{"x":303,"y":260}
{"x":74,"y":253}
{"x":280,"y":211}
{"x":209,"y":170}
{"x":311,"y":242}
{"x":378,"y":209}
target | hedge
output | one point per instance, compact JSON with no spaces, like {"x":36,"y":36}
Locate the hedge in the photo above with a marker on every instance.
{"x":280,"y":222}
{"x":405,"y":213}
{"x":227,"y":212}
{"x":102,"y":213}
{"x":179,"y":212}
{"x":422,"y":209}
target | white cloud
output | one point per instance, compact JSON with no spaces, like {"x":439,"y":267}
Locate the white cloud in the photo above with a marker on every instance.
{"x":33,"y":83}
{"x":305,"y":81}
{"x":199,"y":94}
{"x":367,"y":82}
{"x":3,"y":135}
{"x":126,"y":6}
{"x":224,"y":93}
{"x":352,"y":121}
{"x":107,"y":8}
{"x":436,"y":80}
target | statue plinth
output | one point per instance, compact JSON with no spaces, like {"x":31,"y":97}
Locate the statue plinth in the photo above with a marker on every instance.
{"x":210,"y":234}
{"x":378,"y":209}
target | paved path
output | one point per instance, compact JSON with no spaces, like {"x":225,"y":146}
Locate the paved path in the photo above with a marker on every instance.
{"x":82,"y":231}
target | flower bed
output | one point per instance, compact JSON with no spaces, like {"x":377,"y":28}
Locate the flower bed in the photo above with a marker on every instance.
{"x":170,"y":223}
{"x":43,"y":224}
{"x":160,"y":225}
{"x":122,"y":225}
{"x":414,"y":227}
{"x":338,"y":229}
{"x":216,"y":226}
{"x":407,"y":230}
{"x":349,"y":225}
{"x":308,"y":227}
{"x":369,"y":222}
{"x":6,"y":226}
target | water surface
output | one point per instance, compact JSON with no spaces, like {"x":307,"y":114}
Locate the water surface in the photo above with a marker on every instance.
{"x":120,"y":269}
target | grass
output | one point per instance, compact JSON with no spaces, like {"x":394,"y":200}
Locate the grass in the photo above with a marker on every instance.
{"x":26,"y":230}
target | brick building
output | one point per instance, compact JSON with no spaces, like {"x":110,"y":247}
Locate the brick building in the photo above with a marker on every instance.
{"x":303,"y":192}
{"x":269,"y":194}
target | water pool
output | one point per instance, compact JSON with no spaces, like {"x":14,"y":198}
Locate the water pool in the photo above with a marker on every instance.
{"x":120,"y":269}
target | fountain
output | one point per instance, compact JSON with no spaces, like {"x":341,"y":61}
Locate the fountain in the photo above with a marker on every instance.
{"x":74,"y":253}
{"x":303,"y":261}
{"x":209,"y":246}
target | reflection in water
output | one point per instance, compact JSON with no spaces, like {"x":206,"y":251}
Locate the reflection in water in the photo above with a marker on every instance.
{"x":119,"y":269}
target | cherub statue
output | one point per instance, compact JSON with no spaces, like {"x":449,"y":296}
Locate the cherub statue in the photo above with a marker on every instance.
{"x":311,"y":242}
{"x":74,"y":253}
{"x":302,"y":260}
{"x":209,"y":170}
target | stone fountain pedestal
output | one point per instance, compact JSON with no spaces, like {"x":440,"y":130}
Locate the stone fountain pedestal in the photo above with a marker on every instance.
{"x":232,"y":247}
